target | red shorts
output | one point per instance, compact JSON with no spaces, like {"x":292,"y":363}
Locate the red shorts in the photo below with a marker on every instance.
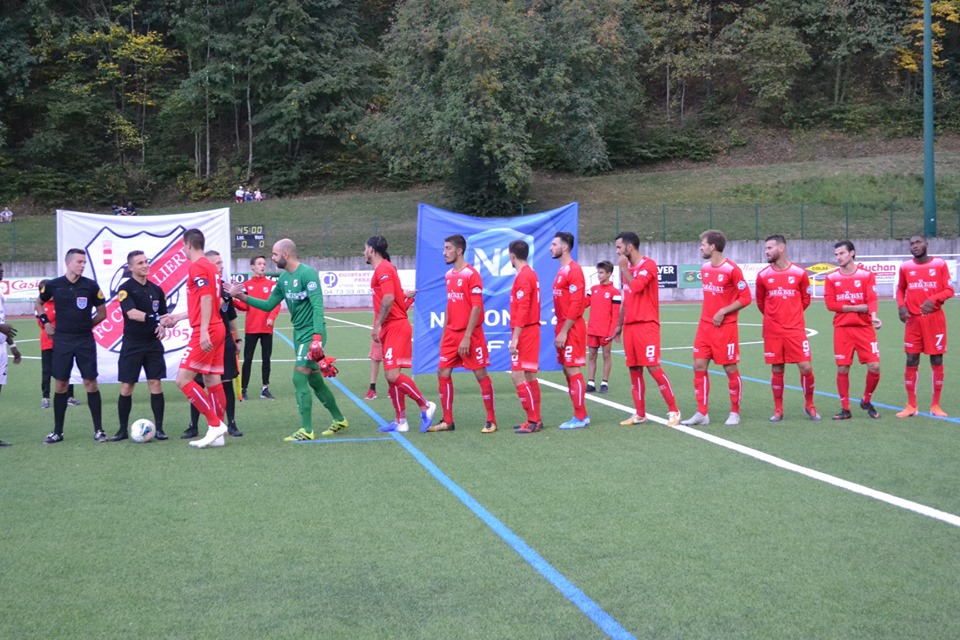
{"x":926,"y":334}
{"x":641,"y":344}
{"x":597,"y":342}
{"x":527,"y":357}
{"x":786,"y":349}
{"x":450,"y":343}
{"x":862,"y":340}
{"x":720,"y":344}
{"x":574,"y":352}
{"x":376,"y":350}
{"x":196,"y":359}
{"x":396,"y":346}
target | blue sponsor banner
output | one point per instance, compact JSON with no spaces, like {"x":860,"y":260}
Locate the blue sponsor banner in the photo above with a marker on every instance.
{"x":488,"y":240}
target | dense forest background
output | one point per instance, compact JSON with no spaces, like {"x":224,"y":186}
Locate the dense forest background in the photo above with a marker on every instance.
{"x":150,"y":100}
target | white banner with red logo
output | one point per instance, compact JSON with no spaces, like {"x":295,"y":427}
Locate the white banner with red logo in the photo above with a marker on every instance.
{"x":107,"y":241}
{"x":20,"y":289}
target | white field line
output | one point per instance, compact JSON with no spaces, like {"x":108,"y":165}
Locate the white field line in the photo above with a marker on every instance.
{"x":853,"y":487}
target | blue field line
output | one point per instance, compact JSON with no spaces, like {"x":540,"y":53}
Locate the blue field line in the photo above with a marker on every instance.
{"x":334,"y":440}
{"x":819,"y":393}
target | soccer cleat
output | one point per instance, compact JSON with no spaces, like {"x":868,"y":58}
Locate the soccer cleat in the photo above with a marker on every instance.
{"x":371,"y":395}
{"x":243,"y":395}
{"x":45,"y":403}
{"x":697,"y":418}
{"x":843,"y":414}
{"x":634,"y":419}
{"x":232,"y":429}
{"x":401,"y":426}
{"x":604,"y":388}
{"x":812,"y":412}
{"x":212,"y":434}
{"x":338,"y":425}
{"x":161,"y":435}
{"x":489,"y":427}
{"x":733,"y":420}
{"x":673,"y":418}
{"x":591,"y":386}
{"x":529,"y":427}
{"x":53,"y":438}
{"x":441,"y":426}
{"x":908,"y":412}
{"x":265,"y":394}
{"x":4,"y":443}
{"x":777,"y":417}
{"x":100,"y":436}
{"x":868,"y":407}
{"x":118,"y":436}
{"x":73,"y":402}
{"x":426,"y":417}
{"x":189,"y":433}
{"x":299,"y":434}
{"x":218,"y":442}
{"x":575,"y":423}
{"x":935,"y":410}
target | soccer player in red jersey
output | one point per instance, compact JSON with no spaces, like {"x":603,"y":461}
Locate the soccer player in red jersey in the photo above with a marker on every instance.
{"x":257,"y":327}
{"x":604,"y":302}
{"x":204,"y":352}
{"x":725,"y":292}
{"x":525,"y":336}
{"x":463,"y":343}
{"x":923,"y":287}
{"x":851,"y":293}
{"x":639,"y":323}
{"x":783,"y":292}
{"x":571,"y":331}
{"x":391,"y":329}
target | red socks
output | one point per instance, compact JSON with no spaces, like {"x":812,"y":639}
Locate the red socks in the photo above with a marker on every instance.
{"x":199,"y":398}
{"x":871,"y":385}
{"x":486,"y":392}
{"x":910,"y":384}
{"x":843,"y":389}
{"x":446,"y":398}
{"x":578,"y":389}
{"x":776,"y":385}
{"x":735,"y":386}
{"x":937,"y":383}
{"x":638,"y":391}
{"x":701,"y":390}
{"x":660,"y":376}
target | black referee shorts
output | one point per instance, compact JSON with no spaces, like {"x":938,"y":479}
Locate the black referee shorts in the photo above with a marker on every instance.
{"x":134,"y":357}
{"x":68,"y":349}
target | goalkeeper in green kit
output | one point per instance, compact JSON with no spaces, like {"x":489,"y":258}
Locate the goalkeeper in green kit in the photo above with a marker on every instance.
{"x":299,"y":285}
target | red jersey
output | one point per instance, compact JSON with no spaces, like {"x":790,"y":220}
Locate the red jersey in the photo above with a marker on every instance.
{"x":203,"y":279}
{"x":525,"y":299}
{"x":256,"y":319}
{"x":604,"y":302}
{"x":641,"y":299}
{"x":860,"y":287}
{"x":781,"y":297}
{"x":464,"y":292}
{"x":569,"y":293}
{"x":46,"y":342}
{"x":920,"y":282}
{"x":722,"y":286}
{"x":386,"y":281}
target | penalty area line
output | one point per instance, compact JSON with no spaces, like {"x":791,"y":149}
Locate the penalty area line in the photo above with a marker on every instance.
{"x":840,"y":483}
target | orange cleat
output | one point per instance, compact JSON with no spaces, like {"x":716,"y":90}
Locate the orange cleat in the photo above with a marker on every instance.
{"x":908,"y":412}
{"x":937,"y":411}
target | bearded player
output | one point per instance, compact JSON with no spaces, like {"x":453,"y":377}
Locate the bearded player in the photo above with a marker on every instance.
{"x":569,"y":302}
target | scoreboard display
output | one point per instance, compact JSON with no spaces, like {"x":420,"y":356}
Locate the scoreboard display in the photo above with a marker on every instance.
{"x":249,"y":236}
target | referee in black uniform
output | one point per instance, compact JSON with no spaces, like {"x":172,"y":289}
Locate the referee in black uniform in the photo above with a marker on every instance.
{"x":228,"y":313}
{"x":74,"y":298}
{"x":142,"y":303}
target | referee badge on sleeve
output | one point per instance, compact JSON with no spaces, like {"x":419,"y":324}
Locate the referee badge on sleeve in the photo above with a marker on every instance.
{"x":122,"y":296}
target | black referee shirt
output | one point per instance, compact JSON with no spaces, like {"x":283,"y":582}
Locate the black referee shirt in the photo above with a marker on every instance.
{"x":148,"y":298}
{"x":228,"y":312}
{"x":74,"y":304}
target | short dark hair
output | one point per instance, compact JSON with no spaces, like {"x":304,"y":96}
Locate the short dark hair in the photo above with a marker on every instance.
{"x":629,"y":237}
{"x":133,"y":254}
{"x":716,"y":238}
{"x":565,"y":237}
{"x":212,"y":252}
{"x":194,"y":238}
{"x":379,"y":245}
{"x":520,"y":249}
{"x":847,"y":244}
{"x":457,"y":240}
{"x":779,"y":239}
{"x":74,"y":251}
{"x":606,"y":265}
{"x":254,"y":259}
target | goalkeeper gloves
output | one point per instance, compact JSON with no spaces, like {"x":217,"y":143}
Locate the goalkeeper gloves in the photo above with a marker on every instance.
{"x":316,"y":347}
{"x":327,"y":368}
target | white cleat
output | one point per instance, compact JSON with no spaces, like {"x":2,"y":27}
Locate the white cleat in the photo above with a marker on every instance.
{"x":212,"y":434}
{"x":733,"y":420}
{"x":673,"y":418}
{"x":697,"y":418}
{"x":219,"y":442}
{"x":403,"y":426}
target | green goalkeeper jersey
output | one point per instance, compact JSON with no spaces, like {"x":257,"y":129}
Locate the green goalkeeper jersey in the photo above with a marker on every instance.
{"x":301,"y":289}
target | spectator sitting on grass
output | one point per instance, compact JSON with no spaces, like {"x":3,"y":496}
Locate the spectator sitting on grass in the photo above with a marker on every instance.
{"x":6,"y":215}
